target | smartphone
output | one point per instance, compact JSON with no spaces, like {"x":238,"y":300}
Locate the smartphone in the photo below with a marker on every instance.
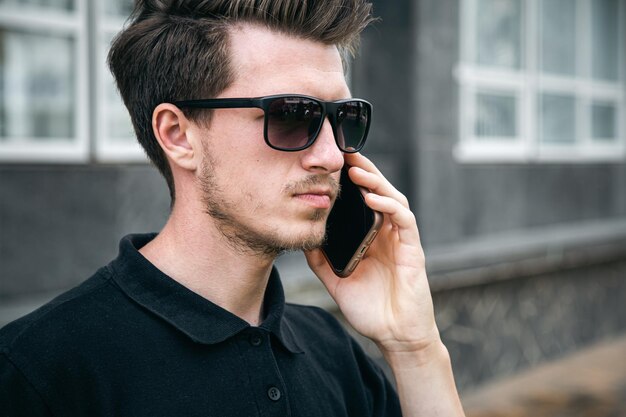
{"x":350,"y":229}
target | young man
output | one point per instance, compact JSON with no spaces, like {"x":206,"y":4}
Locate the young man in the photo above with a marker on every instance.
{"x":192,"y":321}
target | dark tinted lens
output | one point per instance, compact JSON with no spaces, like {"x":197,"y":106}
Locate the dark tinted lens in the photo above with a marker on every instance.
{"x":352,"y":121}
{"x":292,"y":122}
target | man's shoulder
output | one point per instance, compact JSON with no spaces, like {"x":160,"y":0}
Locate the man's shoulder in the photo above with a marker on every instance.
{"x":60,"y":317}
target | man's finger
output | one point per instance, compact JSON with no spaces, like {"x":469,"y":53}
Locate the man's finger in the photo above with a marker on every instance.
{"x":399,"y":215}
{"x":377,"y":184}
{"x":358,"y":160}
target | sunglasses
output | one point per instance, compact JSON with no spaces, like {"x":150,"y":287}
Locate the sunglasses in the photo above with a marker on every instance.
{"x":293,"y":122}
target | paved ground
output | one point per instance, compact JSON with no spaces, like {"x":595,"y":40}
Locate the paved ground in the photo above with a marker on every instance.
{"x":589,"y":383}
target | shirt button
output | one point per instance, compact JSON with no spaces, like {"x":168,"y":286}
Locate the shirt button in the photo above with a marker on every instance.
{"x":256,"y":340}
{"x":273,"y":393}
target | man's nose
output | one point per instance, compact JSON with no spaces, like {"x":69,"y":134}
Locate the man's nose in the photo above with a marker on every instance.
{"x":323,"y":156}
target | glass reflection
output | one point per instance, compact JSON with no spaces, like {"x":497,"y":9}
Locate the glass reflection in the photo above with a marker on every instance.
{"x":605,"y":39}
{"x":37,"y":73}
{"x":495,"y":116}
{"x":558,"y":116}
{"x":558,"y":36}
{"x":603,"y":121}
{"x":499,"y":25}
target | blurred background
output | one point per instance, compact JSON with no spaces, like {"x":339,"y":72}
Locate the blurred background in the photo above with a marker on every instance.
{"x":503,"y":121}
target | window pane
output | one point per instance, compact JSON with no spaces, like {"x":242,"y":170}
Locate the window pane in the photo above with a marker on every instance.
{"x":495,"y":116}
{"x":36,"y":85}
{"x":603,"y":121}
{"x":498,"y":25}
{"x":558,"y":36}
{"x":52,"y":4}
{"x":558,"y":118}
{"x":605,"y":39}
{"x":118,"y":8}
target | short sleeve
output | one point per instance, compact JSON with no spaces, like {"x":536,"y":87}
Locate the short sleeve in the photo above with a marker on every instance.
{"x":18,"y":397}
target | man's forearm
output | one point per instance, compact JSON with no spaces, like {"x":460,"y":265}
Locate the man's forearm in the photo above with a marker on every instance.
{"x":425,"y":382}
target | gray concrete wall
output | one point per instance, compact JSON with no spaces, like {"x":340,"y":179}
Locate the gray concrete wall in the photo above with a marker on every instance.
{"x":59,"y":223}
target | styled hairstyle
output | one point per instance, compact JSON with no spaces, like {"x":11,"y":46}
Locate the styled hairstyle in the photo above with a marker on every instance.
{"x":178,"y":49}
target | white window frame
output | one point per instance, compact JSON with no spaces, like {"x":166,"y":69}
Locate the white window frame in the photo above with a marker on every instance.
{"x":58,"y":150}
{"x":106,"y":148}
{"x":527,"y":84}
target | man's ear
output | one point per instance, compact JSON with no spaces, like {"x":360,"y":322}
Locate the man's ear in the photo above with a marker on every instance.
{"x":172,"y":130}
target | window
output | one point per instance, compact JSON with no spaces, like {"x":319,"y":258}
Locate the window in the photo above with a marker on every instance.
{"x":43,"y":80}
{"x":542,"y":80}
{"x":58,"y":102}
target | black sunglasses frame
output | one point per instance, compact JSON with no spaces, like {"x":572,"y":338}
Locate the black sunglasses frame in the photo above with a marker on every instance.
{"x":329,"y":108}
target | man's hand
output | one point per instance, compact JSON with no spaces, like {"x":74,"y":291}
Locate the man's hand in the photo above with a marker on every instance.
{"x":387,"y":298}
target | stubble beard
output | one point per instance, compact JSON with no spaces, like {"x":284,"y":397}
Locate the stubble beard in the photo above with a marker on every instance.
{"x":245,"y":239}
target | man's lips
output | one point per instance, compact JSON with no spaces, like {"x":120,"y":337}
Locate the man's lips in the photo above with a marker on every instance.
{"x":316,"y":198}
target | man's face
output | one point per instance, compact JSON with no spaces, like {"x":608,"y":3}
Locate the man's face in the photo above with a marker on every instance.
{"x":263,"y":199}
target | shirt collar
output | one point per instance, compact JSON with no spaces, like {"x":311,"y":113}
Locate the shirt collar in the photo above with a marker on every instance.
{"x":197,"y":317}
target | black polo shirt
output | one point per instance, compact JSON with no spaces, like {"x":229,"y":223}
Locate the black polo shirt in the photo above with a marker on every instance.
{"x":131,"y":341}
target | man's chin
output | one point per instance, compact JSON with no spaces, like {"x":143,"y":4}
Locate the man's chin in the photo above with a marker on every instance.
{"x":304,"y":243}
{"x":303,"y":233}
{"x":301,"y":236}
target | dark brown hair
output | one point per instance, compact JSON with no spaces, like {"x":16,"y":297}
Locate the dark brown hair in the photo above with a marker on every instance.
{"x":178,"y":49}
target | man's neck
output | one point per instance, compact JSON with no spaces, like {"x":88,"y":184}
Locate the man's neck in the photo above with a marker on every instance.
{"x":191,"y":250}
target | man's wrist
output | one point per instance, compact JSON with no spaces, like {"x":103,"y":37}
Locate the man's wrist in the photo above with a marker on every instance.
{"x":425,"y":381}
{"x":425,"y":355}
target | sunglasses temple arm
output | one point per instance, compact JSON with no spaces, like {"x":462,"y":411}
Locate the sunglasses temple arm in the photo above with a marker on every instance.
{"x":219,"y":103}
